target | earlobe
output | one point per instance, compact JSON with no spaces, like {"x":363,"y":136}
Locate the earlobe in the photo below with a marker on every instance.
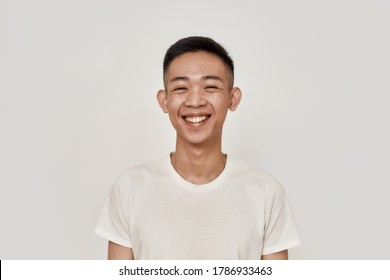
{"x":235,"y":98}
{"x":162,"y":100}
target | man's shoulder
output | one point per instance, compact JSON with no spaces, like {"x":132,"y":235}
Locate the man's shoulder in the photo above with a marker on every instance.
{"x":152,"y":168}
{"x":240,"y":166}
{"x":251,"y":173}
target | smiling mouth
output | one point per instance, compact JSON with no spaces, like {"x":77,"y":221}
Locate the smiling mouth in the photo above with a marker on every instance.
{"x":197,"y":119}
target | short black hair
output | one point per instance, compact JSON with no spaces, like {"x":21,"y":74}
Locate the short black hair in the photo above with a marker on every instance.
{"x":197,"y":44}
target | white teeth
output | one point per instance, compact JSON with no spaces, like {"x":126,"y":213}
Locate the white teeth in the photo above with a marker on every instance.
{"x":197,"y":119}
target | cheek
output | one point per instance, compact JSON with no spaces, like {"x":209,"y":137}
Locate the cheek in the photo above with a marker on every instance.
{"x":223,"y":103}
{"x":173,"y":106}
{"x":174,"y":103}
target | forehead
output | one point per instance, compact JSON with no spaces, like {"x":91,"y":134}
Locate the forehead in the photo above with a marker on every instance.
{"x":194,"y":64}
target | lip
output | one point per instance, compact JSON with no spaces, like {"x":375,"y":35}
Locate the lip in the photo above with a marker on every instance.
{"x":192,"y":115}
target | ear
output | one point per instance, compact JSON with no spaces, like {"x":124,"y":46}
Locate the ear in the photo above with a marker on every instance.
{"x":162,"y":100}
{"x":235,"y":98}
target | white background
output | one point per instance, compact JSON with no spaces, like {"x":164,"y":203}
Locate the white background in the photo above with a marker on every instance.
{"x":78,"y":80}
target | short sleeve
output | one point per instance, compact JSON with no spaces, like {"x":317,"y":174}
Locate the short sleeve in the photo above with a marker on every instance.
{"x":280,"y":232}
{"x":113,"y":223}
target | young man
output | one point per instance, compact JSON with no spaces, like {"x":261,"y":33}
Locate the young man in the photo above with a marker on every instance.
{"x":197,"y":203}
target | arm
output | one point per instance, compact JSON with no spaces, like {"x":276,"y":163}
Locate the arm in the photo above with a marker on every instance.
{"x":282,"y":255}
{"x":118,"y":252}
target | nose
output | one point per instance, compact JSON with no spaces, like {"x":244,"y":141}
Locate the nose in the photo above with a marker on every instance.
{"x":195,"y":98}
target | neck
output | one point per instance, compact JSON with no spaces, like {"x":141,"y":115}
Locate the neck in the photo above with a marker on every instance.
{"x":198,"y":164}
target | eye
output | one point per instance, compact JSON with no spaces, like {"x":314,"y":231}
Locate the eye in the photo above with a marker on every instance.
{"x":211,"y":88}
{"x":180,"y":89}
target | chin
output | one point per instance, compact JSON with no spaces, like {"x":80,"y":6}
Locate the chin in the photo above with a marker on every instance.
{"x":196,"y":141}
{"x":199,"y":140}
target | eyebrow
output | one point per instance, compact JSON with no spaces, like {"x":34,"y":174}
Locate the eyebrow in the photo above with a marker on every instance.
{"x":204,"y":78}
{"x":211,"y":77}
{"x":179,"y":78}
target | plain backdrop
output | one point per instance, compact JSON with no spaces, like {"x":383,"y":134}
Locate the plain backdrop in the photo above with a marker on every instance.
{"x":78,"y":84}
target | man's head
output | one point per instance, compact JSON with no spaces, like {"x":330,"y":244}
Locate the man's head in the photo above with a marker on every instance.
{"x":198,"y":81}
{"x":198,"y":44}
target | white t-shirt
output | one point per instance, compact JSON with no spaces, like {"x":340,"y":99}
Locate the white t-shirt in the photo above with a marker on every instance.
{"x":242,"y":214}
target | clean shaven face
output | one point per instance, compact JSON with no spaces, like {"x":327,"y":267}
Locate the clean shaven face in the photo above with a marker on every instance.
{"x":197,"y":95}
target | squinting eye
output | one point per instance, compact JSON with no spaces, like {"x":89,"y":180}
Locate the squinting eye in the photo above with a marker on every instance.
{"x":180,"y":89}
{"x":212,"y":87}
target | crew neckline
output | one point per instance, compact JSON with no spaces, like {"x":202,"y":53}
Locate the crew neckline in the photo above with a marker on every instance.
{"x":201,"y":187}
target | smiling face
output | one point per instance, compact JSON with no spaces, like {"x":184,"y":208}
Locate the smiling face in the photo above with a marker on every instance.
{"x":197,"y":95}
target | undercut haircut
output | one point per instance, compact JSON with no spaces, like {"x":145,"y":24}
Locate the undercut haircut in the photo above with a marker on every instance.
{"x":198,"y":44}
